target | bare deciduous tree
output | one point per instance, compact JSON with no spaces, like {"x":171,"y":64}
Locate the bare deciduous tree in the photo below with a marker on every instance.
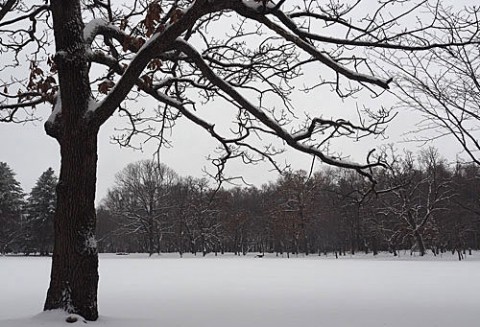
{"x":443,"y":83}
{"x":166,"y":50}
{"x":416,"y":195}
{"x":140,"y":199}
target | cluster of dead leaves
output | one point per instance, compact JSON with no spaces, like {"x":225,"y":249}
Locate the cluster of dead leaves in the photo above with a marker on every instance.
{"x":152,"y":17}
{"x":150,"y":25}
{"x":52,"y":64}
{"x":151,"y":22}
{"x":105,"y":86}
{"x":147,"y":81}
{"x":133,"y":43}
{"x":155,"y":64}
{"x":41,"y":82}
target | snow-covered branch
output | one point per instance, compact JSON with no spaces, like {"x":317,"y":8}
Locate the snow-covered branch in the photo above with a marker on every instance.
{"x":261,"y":115}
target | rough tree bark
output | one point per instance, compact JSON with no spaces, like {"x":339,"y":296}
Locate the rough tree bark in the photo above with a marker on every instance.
{"x":74,"y":276}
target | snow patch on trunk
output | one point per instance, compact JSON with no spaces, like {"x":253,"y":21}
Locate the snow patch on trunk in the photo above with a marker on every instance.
{"x":57,"y":109}
{"x":91,"y":242}
{"x":92,"y":105}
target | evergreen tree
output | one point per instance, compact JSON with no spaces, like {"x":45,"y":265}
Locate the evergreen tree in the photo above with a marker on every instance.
{"x":11,"y":202}
{"x":40,"y":211}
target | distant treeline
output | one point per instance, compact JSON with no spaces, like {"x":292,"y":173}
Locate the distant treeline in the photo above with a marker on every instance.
{"x":416,"y":203}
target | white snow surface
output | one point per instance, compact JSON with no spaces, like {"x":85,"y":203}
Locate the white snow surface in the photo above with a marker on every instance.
{"x":230,"y":291}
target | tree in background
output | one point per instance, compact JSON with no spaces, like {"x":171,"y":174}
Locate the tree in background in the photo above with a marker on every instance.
{"x":443,"y":84}
{"x":293,"y":210}
{"x":141,"y":200}
{"x":460,"y":231}
{"x":421,"y":204}
{"x":350,"y":209}
{"x":40,"y":210}
{"x":11,"y":206}
{"x":418,"y":193}
{"x":197,"y":215}
{"x":242,"y":219}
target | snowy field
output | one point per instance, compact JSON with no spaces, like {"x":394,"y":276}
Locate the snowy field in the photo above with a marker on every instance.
{"x":229,"y":291}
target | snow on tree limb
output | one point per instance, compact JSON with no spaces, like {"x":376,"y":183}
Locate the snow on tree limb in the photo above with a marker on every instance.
{"x":92,"y":28}
{"x":259,"y":114}
{"x":318,"y":55}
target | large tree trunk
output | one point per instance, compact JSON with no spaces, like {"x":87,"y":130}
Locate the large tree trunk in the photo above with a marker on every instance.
{"x":74,"y":275}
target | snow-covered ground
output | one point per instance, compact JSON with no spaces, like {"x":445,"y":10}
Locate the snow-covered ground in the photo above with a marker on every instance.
{"x":229,"y":291}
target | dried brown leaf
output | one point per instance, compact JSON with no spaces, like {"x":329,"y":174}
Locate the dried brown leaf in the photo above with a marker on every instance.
{"x":105,"y":86}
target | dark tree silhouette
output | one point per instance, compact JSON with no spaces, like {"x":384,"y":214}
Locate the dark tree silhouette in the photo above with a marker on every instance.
{"x":40,"y":210}
{"x":11,"y":203}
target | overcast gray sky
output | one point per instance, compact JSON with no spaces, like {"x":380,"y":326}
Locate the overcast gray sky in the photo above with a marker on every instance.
{"x":29,"y":151}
